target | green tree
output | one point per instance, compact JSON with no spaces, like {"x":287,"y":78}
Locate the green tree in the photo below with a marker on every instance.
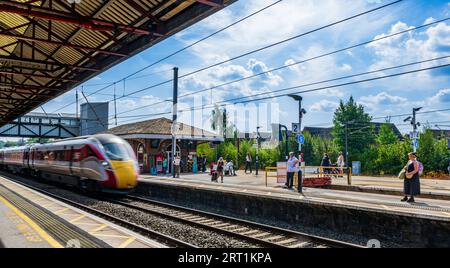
{"x":360,"y":129}
{"x":386,"y":135}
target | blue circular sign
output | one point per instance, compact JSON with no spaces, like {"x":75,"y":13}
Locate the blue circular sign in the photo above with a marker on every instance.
{"x":301,"y":139}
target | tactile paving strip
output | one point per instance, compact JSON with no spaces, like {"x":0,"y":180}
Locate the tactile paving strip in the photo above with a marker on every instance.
{"x":54,"y":225}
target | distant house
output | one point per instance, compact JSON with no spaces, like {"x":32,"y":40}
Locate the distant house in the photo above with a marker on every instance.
{"x":151,"y":141}
{"x":326,"y":133}
{"x":264,"y":136}
{"x":440,"y":133}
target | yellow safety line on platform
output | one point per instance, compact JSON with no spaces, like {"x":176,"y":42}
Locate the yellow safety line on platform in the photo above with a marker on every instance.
{"x":33,"y":225}
{"x":128,"y":242}
{"x":77,"y":219}
{"x":61,"y":211}
{"x":101,"y":227}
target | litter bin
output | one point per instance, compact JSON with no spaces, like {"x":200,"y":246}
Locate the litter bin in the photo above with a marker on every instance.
{"x":356,"y":168}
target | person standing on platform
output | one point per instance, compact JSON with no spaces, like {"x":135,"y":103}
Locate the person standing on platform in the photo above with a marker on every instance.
{"x":291,"y":169}
{"x":248,"y":163}
{"x":300,"y":164}
{"x":204,"y":163}
{"x":412,"y":180}
{"x":341,"y":164}
{"x":165,"y":166}
{"x":177,"y":163}
{"x":325,"y":164}
{"x":194,"y":164}
{"x":220,"y":168}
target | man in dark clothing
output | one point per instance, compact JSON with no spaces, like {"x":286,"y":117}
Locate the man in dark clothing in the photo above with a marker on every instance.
{"x":325,"y":163}
{"x":204,"y":163}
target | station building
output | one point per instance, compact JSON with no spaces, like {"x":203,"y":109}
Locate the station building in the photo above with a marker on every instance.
{"x":152,"y":142}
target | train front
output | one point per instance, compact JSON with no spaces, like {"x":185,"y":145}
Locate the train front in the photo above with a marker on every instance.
{"x":121,"y":164}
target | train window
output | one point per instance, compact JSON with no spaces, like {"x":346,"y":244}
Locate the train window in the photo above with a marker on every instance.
{"x":116,"y":151}
{"x":90,"y":152}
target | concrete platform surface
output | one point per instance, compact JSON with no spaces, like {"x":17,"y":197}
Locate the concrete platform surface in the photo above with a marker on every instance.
{"x":250,"y":184}
{"x":430,"y":187}
{"x":21,"y":228}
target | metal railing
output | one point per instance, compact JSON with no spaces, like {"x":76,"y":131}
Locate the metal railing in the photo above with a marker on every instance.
{"x":311,"y":172}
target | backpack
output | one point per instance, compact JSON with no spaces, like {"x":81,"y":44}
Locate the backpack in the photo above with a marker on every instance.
{"x":420,"y":168}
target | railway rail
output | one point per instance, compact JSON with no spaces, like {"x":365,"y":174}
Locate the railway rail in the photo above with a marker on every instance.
{"x":257,"y":233}
{"x":162,"y":238}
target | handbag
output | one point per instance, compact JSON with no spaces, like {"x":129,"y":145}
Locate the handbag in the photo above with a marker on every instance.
{"x":402,"y":175}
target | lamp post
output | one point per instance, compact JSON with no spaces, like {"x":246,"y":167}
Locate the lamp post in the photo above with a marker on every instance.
{"x":174,"y":118}
{"x":301,"y":112}
{"x":258,"y":136}
{"x":415,"y":125}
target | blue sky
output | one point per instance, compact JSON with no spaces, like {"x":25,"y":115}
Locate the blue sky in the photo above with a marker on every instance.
{"x":291,"y":17}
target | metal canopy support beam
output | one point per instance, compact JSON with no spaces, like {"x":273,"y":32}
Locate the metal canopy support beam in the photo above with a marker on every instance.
{"x":36,"y":75}
{"x":46,"y":41}
{"x":68,"y":18}
{"x":211,"y":3}
{"x":45,"y":63}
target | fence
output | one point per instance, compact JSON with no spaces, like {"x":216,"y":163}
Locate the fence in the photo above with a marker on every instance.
{"x":312,"y":175}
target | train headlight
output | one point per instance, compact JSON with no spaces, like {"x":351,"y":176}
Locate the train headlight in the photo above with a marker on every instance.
{"x":106,"y":165}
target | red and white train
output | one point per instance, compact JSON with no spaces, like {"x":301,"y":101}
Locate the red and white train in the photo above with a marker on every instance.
{"x":98,"y":163}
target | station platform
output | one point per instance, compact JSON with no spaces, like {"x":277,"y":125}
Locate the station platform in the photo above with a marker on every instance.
{"x":29,"y":219}
{"x":430,"y":188}
{"x":347,"y":215}
{"x":389,"y":203}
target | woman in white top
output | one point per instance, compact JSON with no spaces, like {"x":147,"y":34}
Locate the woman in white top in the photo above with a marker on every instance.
{"x":341,"y":164}
{"x":291,"y":169}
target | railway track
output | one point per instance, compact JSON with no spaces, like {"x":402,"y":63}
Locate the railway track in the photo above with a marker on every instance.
{"x":268,"y":236}
{"x":162,"y":238}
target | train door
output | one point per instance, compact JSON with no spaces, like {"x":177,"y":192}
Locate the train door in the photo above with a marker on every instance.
{"x":26,"y":158}
{"x":140,"y":156}
{"x":71,"y":156}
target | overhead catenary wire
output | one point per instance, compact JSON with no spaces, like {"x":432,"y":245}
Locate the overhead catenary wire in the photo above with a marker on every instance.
{"x":266,"y":47}
{"x":236,"y":101}
{"x":304,"y":85}
{"x":317,"y":57}
{"x":181,"y":50}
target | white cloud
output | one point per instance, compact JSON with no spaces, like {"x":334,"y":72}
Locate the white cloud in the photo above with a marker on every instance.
{"x":324,"y":106}
{"x":443,"y":96}
{"x":412,"y":47}
{"x":346,"y":67}
{"x":382,"y":98}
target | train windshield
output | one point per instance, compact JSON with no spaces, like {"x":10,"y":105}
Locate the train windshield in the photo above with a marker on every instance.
{"x":117,"y":152}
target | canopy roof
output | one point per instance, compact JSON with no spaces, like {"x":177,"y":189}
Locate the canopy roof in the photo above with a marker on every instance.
{"x":48,"y":47}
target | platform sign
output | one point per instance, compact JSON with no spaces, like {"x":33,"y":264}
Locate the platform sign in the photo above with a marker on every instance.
{"x":281,"y":172}
{"x":415,"y":144}
{"x":414,"y":135}
{"x":301,"y":138}
{"x":296,"y":128}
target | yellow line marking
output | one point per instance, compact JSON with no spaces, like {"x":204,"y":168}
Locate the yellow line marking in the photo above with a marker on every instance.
{"x":385,"y":207}
{"x":61,"y":211}
{"x":76,"y":219}
{"x":448,"y":214}
{"x":126,"y":243}
{"x":101,"y":227}
{"x":33,"y":225}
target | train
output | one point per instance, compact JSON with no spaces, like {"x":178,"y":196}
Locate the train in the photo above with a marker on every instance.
{"x":96,"y":163}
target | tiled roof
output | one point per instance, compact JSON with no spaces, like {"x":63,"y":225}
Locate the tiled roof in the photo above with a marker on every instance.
{"x":160,"y":126}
